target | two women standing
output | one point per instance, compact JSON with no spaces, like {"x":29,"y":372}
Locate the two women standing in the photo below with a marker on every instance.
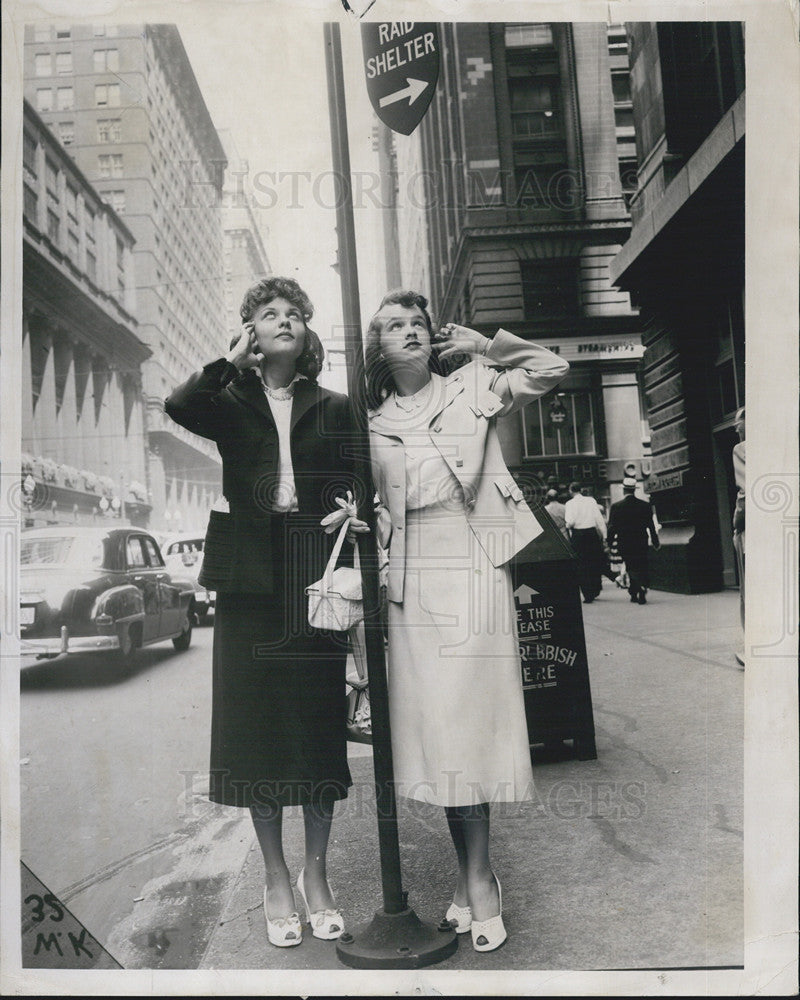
{"x":453,"y":517}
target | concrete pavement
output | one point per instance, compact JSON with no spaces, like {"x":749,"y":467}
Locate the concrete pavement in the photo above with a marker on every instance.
{"x":633,"y":860}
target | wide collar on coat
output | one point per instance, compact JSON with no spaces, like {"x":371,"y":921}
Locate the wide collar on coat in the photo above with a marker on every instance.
{"x":445,"y":390}
{"x":248,"y":387}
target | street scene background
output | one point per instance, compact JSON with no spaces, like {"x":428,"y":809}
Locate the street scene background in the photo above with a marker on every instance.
{"x":550,"y":190}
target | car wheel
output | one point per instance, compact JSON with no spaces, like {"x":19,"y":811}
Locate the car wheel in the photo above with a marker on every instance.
{"x":184,"y":640}
{"x":129,"y":643}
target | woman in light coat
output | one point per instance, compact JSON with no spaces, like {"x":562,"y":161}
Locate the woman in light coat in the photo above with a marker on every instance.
{"x":453,"y":519}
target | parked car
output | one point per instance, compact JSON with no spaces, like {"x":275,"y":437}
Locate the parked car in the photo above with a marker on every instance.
{"x":184,"y":554}
{"x":84,"y":589}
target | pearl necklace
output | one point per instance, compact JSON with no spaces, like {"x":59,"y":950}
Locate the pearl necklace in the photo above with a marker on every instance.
{"x":415,"y":400}
{"x":284,"y":392}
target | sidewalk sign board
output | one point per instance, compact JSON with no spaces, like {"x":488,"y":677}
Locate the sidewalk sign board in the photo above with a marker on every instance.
{"x":552,"y":645}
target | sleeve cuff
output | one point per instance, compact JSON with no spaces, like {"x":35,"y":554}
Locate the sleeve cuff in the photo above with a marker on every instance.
{"x":222,"y":368}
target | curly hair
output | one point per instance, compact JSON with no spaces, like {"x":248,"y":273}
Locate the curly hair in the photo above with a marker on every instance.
{"x":309,"y":363}
{"x":380,"y":382}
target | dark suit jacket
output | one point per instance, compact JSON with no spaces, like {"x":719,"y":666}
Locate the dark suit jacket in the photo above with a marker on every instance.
{"x":230,"y":407}
{"x":629,"y":521}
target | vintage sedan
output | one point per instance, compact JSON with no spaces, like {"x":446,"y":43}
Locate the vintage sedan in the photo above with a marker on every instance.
{"x":87,"y":589}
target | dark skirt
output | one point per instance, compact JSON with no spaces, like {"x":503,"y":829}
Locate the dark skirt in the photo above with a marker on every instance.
{"x":278,"y":733}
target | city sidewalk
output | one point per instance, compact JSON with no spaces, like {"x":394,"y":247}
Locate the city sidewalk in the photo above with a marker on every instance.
{"x":633,"y":860}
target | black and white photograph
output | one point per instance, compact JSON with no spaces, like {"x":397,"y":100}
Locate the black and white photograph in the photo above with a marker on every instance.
{"x":375,"y":485}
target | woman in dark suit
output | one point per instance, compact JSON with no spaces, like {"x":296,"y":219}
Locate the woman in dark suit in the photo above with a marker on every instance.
{"x":278,"y":717}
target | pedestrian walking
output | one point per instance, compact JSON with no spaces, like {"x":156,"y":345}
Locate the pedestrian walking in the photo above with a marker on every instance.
{"x":738,"y":514}
{"x":587,"y":529}
{"x":629,"y":523}
{"x":455,"y":517}
{"x":555,"y":509}
{"x":278,"y":715}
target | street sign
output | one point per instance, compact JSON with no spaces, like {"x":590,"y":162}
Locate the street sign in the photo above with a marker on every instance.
{"x":401,"y":62}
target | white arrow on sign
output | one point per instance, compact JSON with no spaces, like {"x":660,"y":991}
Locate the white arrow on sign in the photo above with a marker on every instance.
{"x":524,"y":593}
{"x":412,"y":92}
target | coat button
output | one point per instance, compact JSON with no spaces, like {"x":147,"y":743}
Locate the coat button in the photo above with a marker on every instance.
{"x":399,"y":527}
{"x":437,"y":429}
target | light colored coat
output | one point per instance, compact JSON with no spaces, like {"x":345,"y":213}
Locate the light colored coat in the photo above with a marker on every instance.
{"x":462,"y":428}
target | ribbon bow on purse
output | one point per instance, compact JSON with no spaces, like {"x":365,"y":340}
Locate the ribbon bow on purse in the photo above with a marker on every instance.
{"x":334,"y":601}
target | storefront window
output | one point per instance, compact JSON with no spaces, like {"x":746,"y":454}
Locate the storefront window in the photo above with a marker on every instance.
{"x":560,"y":424}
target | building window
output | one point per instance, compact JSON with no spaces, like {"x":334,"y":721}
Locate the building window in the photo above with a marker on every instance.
{"x":29,"y":152}
{"x":99,"y":30}
{"x":30,"y":204}
{"x":561,"y":424}
{"x":72,"y":203}
{"x":623,"y":110}
{"x":117,"y":201}
{"x":537,"y":127}
{"x":44,"y":99}
{"x":63,"y":63}
{"x":63,"y":33}
{"x":528,"y":36}
{"x":66,"y":133}
{"x":549,"y":288}
{"x":91,"y":265}
{"x":53,"y":225}
{"x":51,"y":177}
{"x":695,"y":101}
{"x":120,"y":268}
{"x":106,"y":59}
{"x":43,"y":64}
{"x":42,"y":32}
{"x":88,"y":223}
{"x":73,"y":247}
{"x":534,"y":107}
{"x":106,"y":95}
{"x":109,"y":130}
{"x":66,"y":99}
{"x":110,"y":165}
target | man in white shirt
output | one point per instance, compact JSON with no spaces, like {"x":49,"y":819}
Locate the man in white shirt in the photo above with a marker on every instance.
{"x":587,"y":528}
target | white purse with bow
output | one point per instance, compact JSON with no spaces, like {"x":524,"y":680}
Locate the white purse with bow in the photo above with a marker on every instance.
{"x":334,"y":601}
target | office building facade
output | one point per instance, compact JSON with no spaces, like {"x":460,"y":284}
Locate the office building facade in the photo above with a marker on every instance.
{"x":126,"y":105}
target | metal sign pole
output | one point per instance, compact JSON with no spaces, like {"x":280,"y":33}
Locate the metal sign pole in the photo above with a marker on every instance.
{"x":395,"y":938}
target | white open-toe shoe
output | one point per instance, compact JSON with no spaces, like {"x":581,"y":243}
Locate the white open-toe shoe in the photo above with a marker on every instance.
{"x":283,"y":932}
{"x":489,"y":934}
{"x":460,"y":917}
{"x":325,"y":924}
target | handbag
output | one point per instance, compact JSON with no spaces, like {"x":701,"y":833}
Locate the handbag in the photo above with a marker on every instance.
{"x":334,"y":601}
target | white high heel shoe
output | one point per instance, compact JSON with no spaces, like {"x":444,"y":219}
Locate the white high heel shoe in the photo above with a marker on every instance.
{"x":460,"y":917}
{"x":283,"y":932}
{"x":325,"y":924}
{"x":490,"y":934}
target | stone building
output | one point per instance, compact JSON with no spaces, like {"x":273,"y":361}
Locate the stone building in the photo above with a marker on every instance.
{"x":83,"y":438}
{"x":124,"y":101}
{"x":684,"y":266}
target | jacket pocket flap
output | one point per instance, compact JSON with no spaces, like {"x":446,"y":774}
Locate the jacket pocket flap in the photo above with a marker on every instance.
{"x":486,"y":404}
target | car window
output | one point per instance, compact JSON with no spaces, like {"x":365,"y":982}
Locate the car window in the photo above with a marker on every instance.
{"x":153,"y":555}
{"x":134,"y":553}
{"x":62,"y":550}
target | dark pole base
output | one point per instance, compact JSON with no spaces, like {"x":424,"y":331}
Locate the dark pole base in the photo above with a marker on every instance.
{"x":396,"y":941}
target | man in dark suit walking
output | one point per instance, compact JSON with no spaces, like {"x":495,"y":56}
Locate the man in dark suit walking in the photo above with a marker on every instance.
{"x":629,"y":522}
